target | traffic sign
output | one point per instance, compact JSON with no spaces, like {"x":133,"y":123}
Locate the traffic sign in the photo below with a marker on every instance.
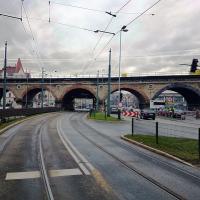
{"x":120,"y":105}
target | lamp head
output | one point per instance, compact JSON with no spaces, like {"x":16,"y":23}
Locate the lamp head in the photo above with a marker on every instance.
{"x":124,"y":29}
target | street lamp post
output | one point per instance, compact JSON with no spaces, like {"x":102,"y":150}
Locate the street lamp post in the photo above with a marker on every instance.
{"x":49,"y":101}
{"x":120,"y":50}
{"x":42,"y":94}
{"x":26,"y":91}
{"x":4,"y":79}
{"x":109,"y":80}
{"x":97,"y":106}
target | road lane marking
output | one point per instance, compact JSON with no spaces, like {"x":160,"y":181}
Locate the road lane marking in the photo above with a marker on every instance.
{"x":36,"y":174}
{"x":22,"y":175}
{"x":77,"y":156}
{"x":65,"y":172}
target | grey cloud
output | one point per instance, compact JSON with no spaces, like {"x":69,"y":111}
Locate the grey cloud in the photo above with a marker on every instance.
{"x":152,"y":44}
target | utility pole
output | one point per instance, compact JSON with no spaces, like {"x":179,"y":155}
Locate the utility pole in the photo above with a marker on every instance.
{"x":4,"y":79}
{"x":109,"y":80}
{"x":49,"y":96}
{"x":42,"y":94}
{"x":97,"y":106}
{"x":26,"y":106}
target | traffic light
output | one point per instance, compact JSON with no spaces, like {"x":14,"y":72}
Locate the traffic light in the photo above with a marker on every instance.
{"x":121,"y":96}
{"x":194,"y":65}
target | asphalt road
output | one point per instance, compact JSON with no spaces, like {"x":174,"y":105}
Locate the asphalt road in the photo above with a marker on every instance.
{"x":66,"y":156}
{"x":21,"y":176}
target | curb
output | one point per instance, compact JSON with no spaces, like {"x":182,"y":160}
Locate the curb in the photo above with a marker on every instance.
{"x":156,"y":151}
{"x":106,"y":121}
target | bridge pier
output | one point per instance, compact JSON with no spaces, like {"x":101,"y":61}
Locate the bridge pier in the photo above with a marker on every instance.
{"x":19,"y":101}
{"x":58,"y":103}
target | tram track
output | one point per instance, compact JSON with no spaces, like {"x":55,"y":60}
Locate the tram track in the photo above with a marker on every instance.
{"x":43,"y":168}
{"x":75,"y":123}
{"x":152,"y":158}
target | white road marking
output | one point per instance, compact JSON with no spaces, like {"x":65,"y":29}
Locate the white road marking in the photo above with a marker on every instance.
{"x":78,"y":157}
{"x":65,"y":172}
{"x":36,"y":174}
{"x":22,"y":175}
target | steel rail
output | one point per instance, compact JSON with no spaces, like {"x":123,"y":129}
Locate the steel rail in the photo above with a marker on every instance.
{"x":156,"y":160}
{"x":43,"y":169}
{"x":125,"y":164}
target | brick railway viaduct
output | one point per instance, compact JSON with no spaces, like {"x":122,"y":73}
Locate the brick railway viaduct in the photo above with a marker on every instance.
{"x":144,"y":88}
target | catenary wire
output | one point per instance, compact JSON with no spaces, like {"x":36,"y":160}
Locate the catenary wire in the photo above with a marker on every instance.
{"x":10,"y":16}
{"x":36,"y":45}
{"x":60,"y":23}
{"x":101,"y":36}
{"x":109,"y":23}
{"x":93,"y":9}
{"x":146,"y":10}
{"x":79,"y":7}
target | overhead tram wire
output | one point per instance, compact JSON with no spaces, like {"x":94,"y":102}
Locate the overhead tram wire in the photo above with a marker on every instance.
{"x":109,"y":23}
{"x":73,"y":26}
{"x":142,"y":13}
{"x":30,"y":45}
{"x":10,"y":16}
{"x":60,"y":23}
{"x":91,"y":9}
{"x":101,"y":36}
{"x":100,"y":52}
{"x":15,"y":17}
{"x":129,"y":24}
{"x":79,"y":7}
{"x":36,"y":45}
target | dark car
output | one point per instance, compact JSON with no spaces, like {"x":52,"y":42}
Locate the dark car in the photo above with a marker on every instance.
{"x":180,"y":114}
{"x":148,"y":114}
{"x":113,"y":110}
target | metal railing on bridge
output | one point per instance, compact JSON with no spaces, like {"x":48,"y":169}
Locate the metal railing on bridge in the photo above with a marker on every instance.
{"x":105,"y":75}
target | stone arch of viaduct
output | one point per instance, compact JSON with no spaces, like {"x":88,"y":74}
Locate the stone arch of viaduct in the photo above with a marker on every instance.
{"x":144,"y":91}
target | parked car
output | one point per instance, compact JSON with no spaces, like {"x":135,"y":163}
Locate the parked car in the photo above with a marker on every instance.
{"x":180,"y":114}
{"x":147,"y":114}
{"x":113,"y":109}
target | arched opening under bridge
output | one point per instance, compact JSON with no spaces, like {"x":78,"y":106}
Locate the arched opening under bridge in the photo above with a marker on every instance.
{"x":183,"y":94}
{"x":129,"y":98}
{"x":78,"y":99}
{"x":33,"y":98}
{"x":10,"y":99}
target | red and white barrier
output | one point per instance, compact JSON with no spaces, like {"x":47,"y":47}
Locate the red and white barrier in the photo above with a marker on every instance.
{"x":130,"y":113}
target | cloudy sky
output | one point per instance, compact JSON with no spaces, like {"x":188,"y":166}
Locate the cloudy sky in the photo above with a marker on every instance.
{"x":157,"y":43}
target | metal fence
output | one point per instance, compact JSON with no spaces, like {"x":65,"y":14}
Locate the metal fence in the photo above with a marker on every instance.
{"x":26,"y":111}
{"x":165,"y":129}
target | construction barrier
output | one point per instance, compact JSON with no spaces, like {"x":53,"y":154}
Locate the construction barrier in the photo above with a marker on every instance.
{"x":131,"y":113}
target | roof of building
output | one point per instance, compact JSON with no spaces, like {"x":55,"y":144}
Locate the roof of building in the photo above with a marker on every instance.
{"x":14,"y":70}
{"x":18,"y":66}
